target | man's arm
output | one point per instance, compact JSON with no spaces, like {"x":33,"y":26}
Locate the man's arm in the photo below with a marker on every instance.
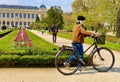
{"x":83,"y":31}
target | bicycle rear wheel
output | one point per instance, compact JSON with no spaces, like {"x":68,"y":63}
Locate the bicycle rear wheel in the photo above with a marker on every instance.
{"x":103,"y":59}
{"x":62,"y":57}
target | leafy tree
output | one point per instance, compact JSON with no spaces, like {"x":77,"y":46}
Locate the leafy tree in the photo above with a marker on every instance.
{"x":35,"y":25}
{"x":68,"y":21}
{"x":37,"y":19}
{"x":118,"y":25}
{"x":97,"y":12}
{"x":55,"y":16}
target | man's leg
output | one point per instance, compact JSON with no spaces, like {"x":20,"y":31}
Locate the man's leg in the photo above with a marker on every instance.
{"x":72,"y":56}
{"x":80,"y":50}
{"x":81,"y":53}
{"x":55,"y":38}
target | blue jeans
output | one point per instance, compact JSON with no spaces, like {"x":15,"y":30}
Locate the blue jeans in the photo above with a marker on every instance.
{"x":78,"y":47}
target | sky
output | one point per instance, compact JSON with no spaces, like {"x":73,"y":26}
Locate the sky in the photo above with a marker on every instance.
{"x":64,"y":4}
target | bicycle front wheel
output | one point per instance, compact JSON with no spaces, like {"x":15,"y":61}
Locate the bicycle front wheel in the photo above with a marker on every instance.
{"x":103,"y":59}
{"x":62,"y":62}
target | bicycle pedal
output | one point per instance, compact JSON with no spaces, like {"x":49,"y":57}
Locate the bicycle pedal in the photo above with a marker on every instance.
{"x":80,"y":69}
{"x":82,"y":62}
{"x":66,"y":64}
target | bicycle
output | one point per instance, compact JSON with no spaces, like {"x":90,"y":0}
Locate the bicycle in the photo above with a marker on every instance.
{"x":101,"y":58}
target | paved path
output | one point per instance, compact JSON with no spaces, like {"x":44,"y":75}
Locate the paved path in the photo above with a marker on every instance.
{"x":52,"y":75}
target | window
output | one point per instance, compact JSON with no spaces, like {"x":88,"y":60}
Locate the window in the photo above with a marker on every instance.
{"x":28,"y":23}
{"x":33,"y":16}
{"x":24,"y":15}
{"x":3,"y":15}
{"x":7,"y":15}
{"x":20,"y":15}
{"x":16,"y":14}
{"x":12,"y":15}
{"x":8,"y":23}
{"x":3,"y":22}
{"x":24,"y":23}
{"x":20,"y":23}
{"x":28,"y":15}
{"x":12,"y":23}
{"x":16,"y":23}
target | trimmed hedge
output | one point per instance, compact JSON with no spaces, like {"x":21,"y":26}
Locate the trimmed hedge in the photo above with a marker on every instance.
{"x":113,"y":39}
{"x":26,"y":61}
{"x":29,"y":60}
{"x":5,"y":33}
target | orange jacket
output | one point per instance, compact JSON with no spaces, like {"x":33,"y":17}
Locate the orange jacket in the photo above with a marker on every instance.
{"x":79,"y":33}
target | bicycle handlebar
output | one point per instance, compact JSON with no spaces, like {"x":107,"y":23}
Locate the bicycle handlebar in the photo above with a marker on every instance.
{"x":96,"y":37}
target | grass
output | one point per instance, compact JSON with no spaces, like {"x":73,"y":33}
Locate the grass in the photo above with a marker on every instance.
{"x":67,"y":35}
{"x":110,"y":45}
{"x":4,"y":31}
{"x":7,"y":44}
{"x":41,"y":43}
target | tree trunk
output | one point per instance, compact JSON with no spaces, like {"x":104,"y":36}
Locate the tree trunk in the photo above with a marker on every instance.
{"x":118,"y":24}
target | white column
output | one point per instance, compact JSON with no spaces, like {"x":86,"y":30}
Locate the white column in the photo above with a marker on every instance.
{"x":14,"y":23}
{"x":1,"y":15}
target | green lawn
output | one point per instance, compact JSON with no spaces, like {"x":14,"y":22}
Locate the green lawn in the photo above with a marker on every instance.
{"x":7,"y":44}
{"x":41,"y":44}
{"x":4,"y":31}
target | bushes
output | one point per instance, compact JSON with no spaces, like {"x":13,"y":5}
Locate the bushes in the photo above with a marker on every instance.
{"x":8,"y":60}
{"x":26,"y":61}
{"x":113,"y":39}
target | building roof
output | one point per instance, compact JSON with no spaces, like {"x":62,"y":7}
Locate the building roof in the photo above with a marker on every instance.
{"x":19,"y":7}
{"x":42,"y":6}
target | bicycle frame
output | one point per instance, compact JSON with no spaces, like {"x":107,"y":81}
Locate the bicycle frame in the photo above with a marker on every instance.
{"x":95,"y":47}
{"x":91,"y":53}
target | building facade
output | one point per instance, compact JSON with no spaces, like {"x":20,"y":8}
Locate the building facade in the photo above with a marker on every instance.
{"x":20,"y":16}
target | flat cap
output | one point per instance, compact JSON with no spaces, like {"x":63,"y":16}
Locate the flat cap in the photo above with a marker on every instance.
{"x":81,"y":18}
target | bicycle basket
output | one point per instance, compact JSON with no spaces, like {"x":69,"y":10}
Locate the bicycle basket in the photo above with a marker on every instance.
{"x":101,"y":39}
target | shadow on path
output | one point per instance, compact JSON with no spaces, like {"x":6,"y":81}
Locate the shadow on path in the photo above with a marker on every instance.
{"x":93,"y":71}
{"x":116,"y":69}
